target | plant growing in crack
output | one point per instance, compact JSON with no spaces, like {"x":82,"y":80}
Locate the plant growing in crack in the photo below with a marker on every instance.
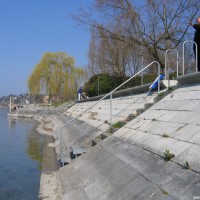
{"x":165,"y":135}
{"x":119,"y":124}
{"x":170,"y":88}
{"x":168,"y":155}
{"x":164,"y":192}
{"x":93,"y":115}
{"x":161,"y":94}
{"x":186,"y":165}
{"x":130,"y":117}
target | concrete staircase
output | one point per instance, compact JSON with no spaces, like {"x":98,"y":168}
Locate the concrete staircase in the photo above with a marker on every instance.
{"x":92,"y":127}
{"x":132,"y":162}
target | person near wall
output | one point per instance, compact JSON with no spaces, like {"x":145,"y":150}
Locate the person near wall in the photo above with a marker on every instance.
{"x":80,"y":91}
{"x":197,"y":40}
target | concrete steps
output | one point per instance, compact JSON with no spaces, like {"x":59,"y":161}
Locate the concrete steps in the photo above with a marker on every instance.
{"x":76,"y":151}
{"x":130,"y":163}
{"x":78,"y":134}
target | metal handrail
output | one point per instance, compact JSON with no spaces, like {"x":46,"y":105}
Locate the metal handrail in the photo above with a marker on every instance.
{"x":166,"y":66}
{"x":110,"y":93}
{"x":188,"y":41}
{"x":135,"y":101}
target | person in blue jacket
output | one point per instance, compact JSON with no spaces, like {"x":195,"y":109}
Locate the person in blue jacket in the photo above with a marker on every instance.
{"x":80,"y":91}
{"x":155,"y":83}
{"x":197,"y":40}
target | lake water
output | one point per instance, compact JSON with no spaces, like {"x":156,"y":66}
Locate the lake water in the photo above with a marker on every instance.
{"x":21,"y":150}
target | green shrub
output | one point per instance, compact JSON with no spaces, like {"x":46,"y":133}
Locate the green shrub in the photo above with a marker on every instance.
{"x":107,"y":83}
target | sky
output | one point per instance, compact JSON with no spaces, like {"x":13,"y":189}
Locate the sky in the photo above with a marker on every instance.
{"x":30,"y":28}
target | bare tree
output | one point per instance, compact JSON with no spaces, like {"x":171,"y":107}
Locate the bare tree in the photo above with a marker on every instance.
{"x":108,"y":54}
{"x":92,"y":54}
{"x":155,"y":25}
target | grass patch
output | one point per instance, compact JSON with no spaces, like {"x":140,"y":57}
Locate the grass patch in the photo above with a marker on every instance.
{"x":118,"y":124}
{"x":161,"y":94}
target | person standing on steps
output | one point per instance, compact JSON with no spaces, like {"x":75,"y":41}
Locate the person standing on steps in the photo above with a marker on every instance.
{"x":80,"y":91}
{"x":197,"y":40}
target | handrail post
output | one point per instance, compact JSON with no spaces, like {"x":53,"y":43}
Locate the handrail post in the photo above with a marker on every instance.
{"x":142,"y":79}
{"x":177,"y":63}
{"x":111,"y":111}
{"x":166,"y":65}
{"x":188,"y":41}
{"x":158,"y":77}
{"x":61,"y":145}
{"x":166,"y":68}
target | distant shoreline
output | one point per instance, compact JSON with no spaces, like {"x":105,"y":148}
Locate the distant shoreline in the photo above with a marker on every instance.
{"x":4,"y":107}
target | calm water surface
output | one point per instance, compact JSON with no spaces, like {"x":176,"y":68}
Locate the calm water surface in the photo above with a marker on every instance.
{"x":20,"y":158}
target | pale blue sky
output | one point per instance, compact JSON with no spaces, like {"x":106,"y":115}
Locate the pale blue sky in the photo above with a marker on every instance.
{"x":28,"y":29}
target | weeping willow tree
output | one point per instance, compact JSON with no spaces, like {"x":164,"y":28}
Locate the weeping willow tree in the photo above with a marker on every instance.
{"x":56,"y":76}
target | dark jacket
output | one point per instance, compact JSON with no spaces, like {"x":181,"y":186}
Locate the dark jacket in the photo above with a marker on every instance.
{"x":80,"y":90}
{"x":197,"y":33}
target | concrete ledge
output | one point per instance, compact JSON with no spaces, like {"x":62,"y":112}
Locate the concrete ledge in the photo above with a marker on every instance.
{"x":172,"y":83}
{"x":50,"y":187}
{"x":189,"y":78}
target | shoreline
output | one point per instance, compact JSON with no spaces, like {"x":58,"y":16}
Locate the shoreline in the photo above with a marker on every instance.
{"x":50,"y":187}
